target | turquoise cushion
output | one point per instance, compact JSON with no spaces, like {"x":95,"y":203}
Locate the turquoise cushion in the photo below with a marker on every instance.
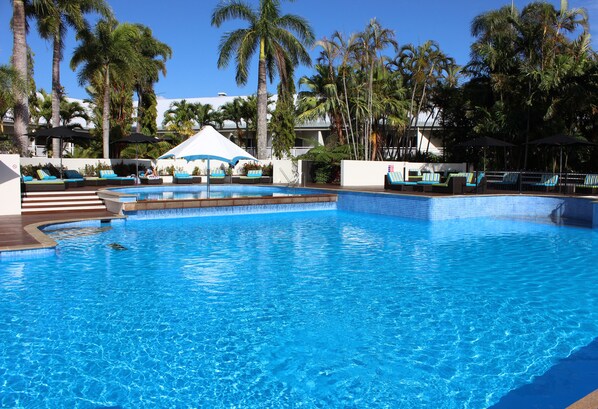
{"x":27,"y":178}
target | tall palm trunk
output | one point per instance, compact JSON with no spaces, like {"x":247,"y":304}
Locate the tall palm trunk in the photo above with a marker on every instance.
{"x":262,"y":106}
{"x":56,"y":92}
{"x":19,"y":61}
{"x":106,"y":116}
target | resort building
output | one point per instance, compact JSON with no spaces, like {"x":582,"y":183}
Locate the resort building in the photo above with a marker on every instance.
{"x":425,"y":136}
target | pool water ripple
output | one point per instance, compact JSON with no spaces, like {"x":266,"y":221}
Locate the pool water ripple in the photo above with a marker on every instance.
{"x":325,"y":309}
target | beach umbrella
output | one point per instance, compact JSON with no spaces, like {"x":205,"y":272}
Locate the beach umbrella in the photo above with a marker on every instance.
{"x":136,"y":139}
{"x":208,"y":144}
{"x":64,"y":134}
{"x":485,"y":142}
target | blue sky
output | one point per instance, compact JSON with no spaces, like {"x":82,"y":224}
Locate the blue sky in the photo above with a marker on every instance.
{"x":185,"y":26}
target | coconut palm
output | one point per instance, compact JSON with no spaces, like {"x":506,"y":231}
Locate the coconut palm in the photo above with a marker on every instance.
{"x":180,"y":118}
{"x":153,"y":55}
{"x":71,"y":110}
{"x":233,"y":111}
{"x":53,"y":18}
{"x":371,"y":42}
{"x":9,"y":81}
{"x":19,"y":62}
{"x":280,"y":39}
{"x":104,"y":53}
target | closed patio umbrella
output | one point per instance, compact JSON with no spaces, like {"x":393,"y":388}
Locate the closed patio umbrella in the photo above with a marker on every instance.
{"x":208,"y":144}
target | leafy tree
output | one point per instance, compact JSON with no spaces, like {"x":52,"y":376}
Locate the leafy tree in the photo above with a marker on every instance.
{"x":53,"y":19}
{"x":280,"y":39}
{"x":180,"y":118}
{"x":9,"y":81}
{"x":152,"y":58}
{"x":283,"y":120}
{"x":104,"y":53}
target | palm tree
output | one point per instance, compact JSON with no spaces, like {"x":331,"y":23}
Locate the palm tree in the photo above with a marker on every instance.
{"x":53,"y":19}
{"x":107,"y":51}
{"x":153,"y":55}
{"x":373,"y":40}
{"x":180,"y":118}
{"x":280,"y":39}
{"x":71,"y":110}
{"x":19,"y":62}
{"x":9,"y":80}
{"x":233,"y":111}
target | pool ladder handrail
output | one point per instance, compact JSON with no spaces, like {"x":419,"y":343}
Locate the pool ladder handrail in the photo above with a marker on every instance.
{"x":290,"y":183}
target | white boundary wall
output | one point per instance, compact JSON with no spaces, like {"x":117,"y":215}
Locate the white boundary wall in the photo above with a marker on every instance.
{"x":179,"y":164}
{"x":10,"y":185}
{"x":287,"y":172}
{"x":371,"y":173}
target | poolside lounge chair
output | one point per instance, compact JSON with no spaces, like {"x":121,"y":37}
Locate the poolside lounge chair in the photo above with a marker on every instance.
{"x":589,"y":187}
{"x":76,"y":181}
{"x":455,"y":184}
{"x":150,"y":180}
{"x":394,"y":181}
{"x":253,"y":176}
{"x":217,"y":176}
{"x":29,"y":184}
{"x":113,"y":179}
{"x":547,"y":182}
{"x":74,"y":178}
{"x":429,"y":179}
{"x":510,"y":180}
{"x":478,"y":185}
{"x":183,"y":178}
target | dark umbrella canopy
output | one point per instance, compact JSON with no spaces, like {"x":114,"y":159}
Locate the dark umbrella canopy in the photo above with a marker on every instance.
{"x":139,"y":138}
{"x":485,"y":141}
{"x":64,"y":134}
{"x":560,"y":140}
{"x":136,"y":138}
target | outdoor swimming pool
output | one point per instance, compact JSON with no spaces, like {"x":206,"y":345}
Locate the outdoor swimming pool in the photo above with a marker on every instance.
{"x":318,"y":309}
{"x":200,"y":192}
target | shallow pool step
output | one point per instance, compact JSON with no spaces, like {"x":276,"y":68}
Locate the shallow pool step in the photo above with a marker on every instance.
{"x":62,"y":209}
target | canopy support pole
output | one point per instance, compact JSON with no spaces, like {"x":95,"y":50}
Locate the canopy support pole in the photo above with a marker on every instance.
{"x":208,"y":178}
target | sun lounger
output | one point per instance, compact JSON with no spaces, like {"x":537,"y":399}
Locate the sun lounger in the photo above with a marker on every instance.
{"x":394,"y":181}
{"x":113,"y":179}
{"x":217,"y":176}
{"x":589,"y":187}
{"x":182,"y":178}
{"x":253,"y":176}
{"x":455,"y":184}
{"x":478,"y":186}
{"x":73,"y":178}
{"x":429,"y":179}
{"x":29,"y":184}
{"x":510,"y":181}
{"x":547,"y":182}
{"x":77,"y":181}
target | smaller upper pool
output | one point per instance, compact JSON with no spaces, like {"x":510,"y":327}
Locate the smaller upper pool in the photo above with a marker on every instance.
{"x":200,"y":192}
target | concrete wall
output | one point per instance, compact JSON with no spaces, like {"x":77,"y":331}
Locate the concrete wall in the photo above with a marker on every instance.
{"x":553,"y":208}
{"x":371,"y":173}
{"x":10,"y":185}
{"x":286,"y":172}
{"x":179,"y":164}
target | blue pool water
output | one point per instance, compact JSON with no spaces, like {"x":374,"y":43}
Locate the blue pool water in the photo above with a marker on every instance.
{"x":201,"y":192}
{"x":319,"y":309}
